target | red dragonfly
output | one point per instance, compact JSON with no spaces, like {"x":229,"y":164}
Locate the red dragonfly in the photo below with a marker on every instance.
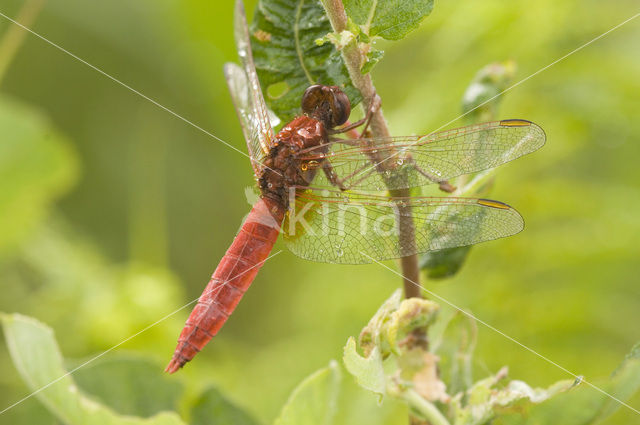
{"x":327,"y":195}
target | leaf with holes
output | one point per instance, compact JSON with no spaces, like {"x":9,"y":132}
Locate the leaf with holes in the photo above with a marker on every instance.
{"x":493,"y":399}
{"x":368,"y":371}
{"x":287,"y":58}
{"x":585,"y":404}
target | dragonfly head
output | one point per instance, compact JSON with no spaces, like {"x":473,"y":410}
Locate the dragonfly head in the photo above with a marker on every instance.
{"x":327,"y":104}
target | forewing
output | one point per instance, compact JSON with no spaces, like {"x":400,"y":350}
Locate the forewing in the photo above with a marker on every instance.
{"x":356,"y":228}
{"x":401,"y":162}
{"x":247,"y":96}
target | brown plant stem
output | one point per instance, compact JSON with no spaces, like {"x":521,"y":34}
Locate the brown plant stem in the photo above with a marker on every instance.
{"x":353,"y":59}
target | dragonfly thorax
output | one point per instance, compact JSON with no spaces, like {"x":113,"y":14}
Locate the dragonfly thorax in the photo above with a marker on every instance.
{"x":283,"y":168}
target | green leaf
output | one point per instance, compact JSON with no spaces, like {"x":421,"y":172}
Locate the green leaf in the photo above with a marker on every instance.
{"x":370,"y":337}
{"x":37,"y":358}
{"x":624,"y":382}
{"x":489,"y":398}
{"x":211,"y":408}
{"x":394,"y":320}
{"x":490,"y":81}
{"x":586,"y":405}
{"x":411,"y":314}
{"x":340,"y":40}
{"x":368,"y":371}
{"x":130,"y":385}
{"x":444,"y":262}
{"x":283,"y":39}
{"x":389,"y":19}
{"x":455,"y":345}
{"x":388,"y":363}
{"x":373,"y":57}
{"x":314,"y":401}
{"x":37,"y":165}
{"x":358,"y":406}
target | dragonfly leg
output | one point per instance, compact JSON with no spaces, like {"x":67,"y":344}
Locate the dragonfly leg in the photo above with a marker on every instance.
{"x":348,"y":127}
{"x":332,"y":176}
{"x":374,"y":106}
{"x":348,"y":142}
{"x":444,"y":185}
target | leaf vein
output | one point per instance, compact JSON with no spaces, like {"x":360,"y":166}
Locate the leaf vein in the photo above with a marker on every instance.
{"x":299,"y":52}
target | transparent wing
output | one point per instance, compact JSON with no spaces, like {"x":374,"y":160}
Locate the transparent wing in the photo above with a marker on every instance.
{"x":356,"y":228}
{"x":247,"y":96}
{"x":400,"y":162}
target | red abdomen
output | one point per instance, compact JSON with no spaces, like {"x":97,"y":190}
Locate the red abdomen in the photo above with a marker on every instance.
{"x":232,"y":278}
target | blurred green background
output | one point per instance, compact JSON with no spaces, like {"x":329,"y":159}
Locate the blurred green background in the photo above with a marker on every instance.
{"x":117,"y":215}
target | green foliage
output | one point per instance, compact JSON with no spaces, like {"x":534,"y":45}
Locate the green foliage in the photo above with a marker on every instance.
{"x":390,"y":364}
{"x":121,"y":390}
{"x":573,"y":299}
{"x":454,"y":337}
{"x":289,"y":42}
{"x":314,"y":401}
{"x":36,"y":166}
{"x":36,"y":355}
{"x":585,"y":404}
{"x":130,"y":385}
{"x":212,"y":408}
{"x":479,"y":104}
{"x":392,"y":19}
{"x":489,"y":399}
{"x":368,"y":371}
{"x":444,"y":263}
{"x":368,"y":20}
{"x":410,"y":373}
{"x":283,"y":39}
{"x":480,"y":100}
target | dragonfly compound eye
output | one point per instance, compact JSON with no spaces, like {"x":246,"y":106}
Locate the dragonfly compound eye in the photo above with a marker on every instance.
{"x":341,"y":107}
{"x":312,"y":97}
{"x":327,"y":104}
